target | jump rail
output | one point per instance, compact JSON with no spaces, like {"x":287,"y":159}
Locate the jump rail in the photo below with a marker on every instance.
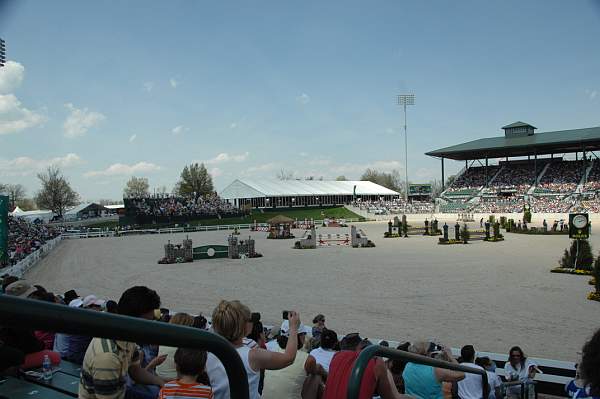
{"x":40,"y":315}
{"x":375,"y":350}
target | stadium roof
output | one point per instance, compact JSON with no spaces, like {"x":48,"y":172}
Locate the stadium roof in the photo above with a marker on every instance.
{"x":248,"y":188}
{"x":562,"y":141}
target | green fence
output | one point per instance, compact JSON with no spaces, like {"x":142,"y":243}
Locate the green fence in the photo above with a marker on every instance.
{"x":375,"y":350}
{"x":38,"y":315}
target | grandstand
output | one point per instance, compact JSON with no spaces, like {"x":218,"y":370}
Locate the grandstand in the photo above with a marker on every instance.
{"x":496,"y":177}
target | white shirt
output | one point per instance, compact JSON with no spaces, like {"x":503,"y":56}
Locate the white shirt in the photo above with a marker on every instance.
{"x":494,"y":382}
{"x":521,"y":372}
{"x":217,"y":376}
{"x":470,"y":387}
{"x":323,"y":357}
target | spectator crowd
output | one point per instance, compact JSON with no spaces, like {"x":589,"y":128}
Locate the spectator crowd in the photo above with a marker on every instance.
{"x":24,"y":238}
{"x":119,"y":369}
{"x":206,"y":206}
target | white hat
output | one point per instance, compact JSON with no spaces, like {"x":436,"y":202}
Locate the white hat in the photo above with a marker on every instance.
{"x":92,"y":300}
{"x":285,"y":329}
{"x":76,"y":303}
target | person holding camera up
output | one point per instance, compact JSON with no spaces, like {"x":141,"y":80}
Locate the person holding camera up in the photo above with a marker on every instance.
{"x":231,"y":320}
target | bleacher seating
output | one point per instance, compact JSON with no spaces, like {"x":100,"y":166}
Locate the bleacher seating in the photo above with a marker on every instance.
{"x":561,"y":177}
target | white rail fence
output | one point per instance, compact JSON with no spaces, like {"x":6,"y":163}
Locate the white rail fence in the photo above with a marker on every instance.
{"x":21,"y":267}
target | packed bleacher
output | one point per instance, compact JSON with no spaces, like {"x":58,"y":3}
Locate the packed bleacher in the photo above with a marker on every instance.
{"x":25,"y":238}
{"x":500,"y":205}
{"x":516,"y":178}
{"x":93,"y":368}
{"x":469,"y":182}
{"x":593,"y":178}
{"x":166,"y":209}
{"x":395,"y":206}
{"x":561,"y":177}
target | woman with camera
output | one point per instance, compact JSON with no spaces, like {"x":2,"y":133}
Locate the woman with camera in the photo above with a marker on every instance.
{"x":232,"y":320}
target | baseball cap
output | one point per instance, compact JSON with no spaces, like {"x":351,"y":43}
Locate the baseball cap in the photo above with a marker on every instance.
{"x":20,"y":288}
{"x":285,"y":329}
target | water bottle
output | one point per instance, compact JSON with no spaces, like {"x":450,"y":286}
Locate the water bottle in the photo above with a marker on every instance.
{"x":46,"y":369}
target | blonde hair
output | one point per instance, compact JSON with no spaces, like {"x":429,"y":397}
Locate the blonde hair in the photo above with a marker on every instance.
{"x":182,"y":319}
{"x":419,"y":347}
{"x":229,"y":319}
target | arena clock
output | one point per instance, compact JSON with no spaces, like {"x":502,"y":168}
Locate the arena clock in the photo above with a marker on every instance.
{"x":579,"y":226}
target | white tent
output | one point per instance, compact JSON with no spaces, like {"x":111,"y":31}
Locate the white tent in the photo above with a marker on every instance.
{"x":17,"y":211}
{"x":43,"y":215}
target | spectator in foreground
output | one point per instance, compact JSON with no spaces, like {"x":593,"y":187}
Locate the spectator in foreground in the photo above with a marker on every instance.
{"x":424,"y":381}
{"x":318,"y":326}
{"x":494,"y":381}
{"x":167,"y":369}
{"x":317,"y":364}
{"x":376,"y":379}
{"x":24,"y":339}
{"x":471,"y":386}
{"x":108,"y":362}
{"x":190,"y":364}
{"x":396,"y":367}
{"x":519,"y":370}
{"x":231,"y":320}
{"x":587,"y":381}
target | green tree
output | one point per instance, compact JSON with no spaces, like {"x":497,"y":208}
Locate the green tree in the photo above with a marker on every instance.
{"x":56,"y":193}
{"x":195,"y":182}
{"x":391,"y":180}
{"x":136,"y":187}
{"x":16,"y":193}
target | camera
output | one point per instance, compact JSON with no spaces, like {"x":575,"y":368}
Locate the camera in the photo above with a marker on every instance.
{"x":433,"y":347}
{"x":286,"y":314}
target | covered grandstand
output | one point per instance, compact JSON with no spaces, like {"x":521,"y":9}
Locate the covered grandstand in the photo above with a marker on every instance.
{"x":498,"y":178}
{"x":300,"y":193}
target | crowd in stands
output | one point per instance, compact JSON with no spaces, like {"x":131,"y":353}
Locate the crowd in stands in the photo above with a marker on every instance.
{"x":561,"y":177}
{"x":591,"y":205}
{"x":551,"y":204}
{"x":25,"y":238}
{"x":514,"y":177}
{"x":593,"y":178}
{"x":396,"y":206}
{"x":499,"y":205}
{"x":210,"y":205}
{"x":119,"y":369}
{"x":473,"y":178}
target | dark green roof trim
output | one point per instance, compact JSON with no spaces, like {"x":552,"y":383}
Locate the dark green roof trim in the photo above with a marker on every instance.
{"x":566,"y":141}
{"x":518,"y":124}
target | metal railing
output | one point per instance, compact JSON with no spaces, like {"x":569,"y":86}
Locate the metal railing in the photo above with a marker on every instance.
{"x":39,"y":315}
{"x":375,"y":350}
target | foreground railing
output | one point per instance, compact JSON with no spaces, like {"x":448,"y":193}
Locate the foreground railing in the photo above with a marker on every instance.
{"x":375,"y":350}
{"x":38,"y":315}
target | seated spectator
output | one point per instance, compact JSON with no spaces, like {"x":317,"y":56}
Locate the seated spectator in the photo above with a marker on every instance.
{"x":318,"y":326}
{"x":10,"y":359}
{"x":167,"y":369}
{"x":518,"y":369}
{"x":108,"y":362}
{"x":494,"y":381}
{"x":376,"y":379}
{"x":471,"y":386}
{"x":587,"y":381}
{"x":396,"y":367}
{"x":424,"y":381}
{"x":231,"y":319}
{"x":190,"y":364}
{"x":24,"y":339}
{"x":317,"y":364}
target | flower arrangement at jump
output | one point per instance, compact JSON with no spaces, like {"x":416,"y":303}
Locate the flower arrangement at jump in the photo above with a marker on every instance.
{"x":578,"y":259}
{"x":595,"y":295}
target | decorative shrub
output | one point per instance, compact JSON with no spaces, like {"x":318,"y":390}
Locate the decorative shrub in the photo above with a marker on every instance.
{"x":527,"y":216}
{"x":503,"y":222}
{"x":464,"y":234}
{"x":585,"y":258}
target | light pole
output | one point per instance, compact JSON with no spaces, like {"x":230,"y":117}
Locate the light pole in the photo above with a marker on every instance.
{"x":404,"y":100}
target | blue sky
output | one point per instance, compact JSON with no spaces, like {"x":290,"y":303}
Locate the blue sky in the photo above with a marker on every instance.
{"x":110,"y":89}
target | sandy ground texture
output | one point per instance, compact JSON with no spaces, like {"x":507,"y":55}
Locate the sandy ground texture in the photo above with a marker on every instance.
{"x":491,"y":295}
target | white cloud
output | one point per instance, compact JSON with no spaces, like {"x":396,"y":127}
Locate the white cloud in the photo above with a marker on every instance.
{"x":174,"y":83}
{"x":177,"y":130}
{"x":11,"y":76}
{"x":22,"y":166}
{"x":132,"y":138}
{"x":120,"y":169}
{"x":303,"y":98}
{"x":80,"y":121}
{"x":148,"y":86}
{"x":225,"y":157}
{"x":593,"y":94}
{"x":233,"y":125}
{"x":14,"y":117}
{"x":303,"y":154}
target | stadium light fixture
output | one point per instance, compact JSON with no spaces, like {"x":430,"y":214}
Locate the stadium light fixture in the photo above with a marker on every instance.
{"x":2,"y":53}
{"x":404,"y":100}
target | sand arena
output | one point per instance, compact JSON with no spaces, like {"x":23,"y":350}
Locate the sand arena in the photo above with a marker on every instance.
{"x":492,"y":295}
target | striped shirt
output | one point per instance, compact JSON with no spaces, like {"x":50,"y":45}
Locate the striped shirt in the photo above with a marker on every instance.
{"x":178,"y":390}
{"x":105,"y":367}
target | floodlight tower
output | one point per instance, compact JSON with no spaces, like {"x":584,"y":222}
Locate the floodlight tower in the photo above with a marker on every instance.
{"x":404,"y":100}
{"x":2,"y":53}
